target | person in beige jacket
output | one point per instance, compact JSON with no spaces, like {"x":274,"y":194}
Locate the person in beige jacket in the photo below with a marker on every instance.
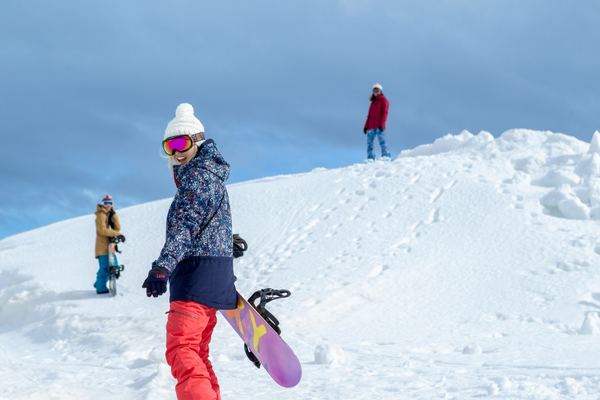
{"x":107,"y":226}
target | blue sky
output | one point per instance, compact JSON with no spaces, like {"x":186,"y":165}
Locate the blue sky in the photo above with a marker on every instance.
{"x":282,"y":86}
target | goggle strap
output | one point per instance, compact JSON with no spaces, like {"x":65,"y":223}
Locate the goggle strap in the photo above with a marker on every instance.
{"x":196,"y":137}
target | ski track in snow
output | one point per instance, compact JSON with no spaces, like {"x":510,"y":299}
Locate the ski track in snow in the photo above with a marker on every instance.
{"x":450,"y":272}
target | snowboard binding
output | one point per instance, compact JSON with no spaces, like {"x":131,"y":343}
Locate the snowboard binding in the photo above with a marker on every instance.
{"x":116,"y":240}
{"x":265,"y":296}
{"x":116,"y":271}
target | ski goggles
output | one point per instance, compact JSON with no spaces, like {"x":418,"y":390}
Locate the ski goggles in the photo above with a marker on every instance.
{"x":181,"y":143}
{"x":106,"y":201}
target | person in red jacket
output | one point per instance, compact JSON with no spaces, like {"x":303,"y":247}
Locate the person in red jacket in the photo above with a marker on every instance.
{"x":376,"y":121}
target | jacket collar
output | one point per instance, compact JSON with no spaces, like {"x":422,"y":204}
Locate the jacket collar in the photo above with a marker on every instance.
{"x":207,"y":158}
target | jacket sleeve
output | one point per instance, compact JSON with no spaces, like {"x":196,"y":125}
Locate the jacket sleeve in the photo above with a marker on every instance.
{"x":186,"y":217}
{"x":102,"y":229}
{"x":384,"y":113}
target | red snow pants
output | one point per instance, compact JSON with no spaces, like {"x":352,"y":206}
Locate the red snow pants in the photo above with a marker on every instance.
{"x":189,"y":329}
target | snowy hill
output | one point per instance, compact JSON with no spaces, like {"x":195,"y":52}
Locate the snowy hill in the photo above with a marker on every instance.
{"x":467,"y":268}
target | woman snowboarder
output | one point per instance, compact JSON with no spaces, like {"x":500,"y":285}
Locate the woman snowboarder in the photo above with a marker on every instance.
{"x":107,"y":227}
{"x":196,"y":258}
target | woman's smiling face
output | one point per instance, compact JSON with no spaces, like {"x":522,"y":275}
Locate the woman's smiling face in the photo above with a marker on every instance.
{"x":181,"y":158}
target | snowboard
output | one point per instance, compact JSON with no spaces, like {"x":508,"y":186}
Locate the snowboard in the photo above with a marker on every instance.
{"x":274,"y":354}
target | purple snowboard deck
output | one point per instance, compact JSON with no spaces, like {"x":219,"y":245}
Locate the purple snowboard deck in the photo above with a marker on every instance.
{"x":274,"y":354}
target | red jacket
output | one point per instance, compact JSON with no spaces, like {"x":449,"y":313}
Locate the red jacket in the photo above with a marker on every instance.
{"x":378,"y":113}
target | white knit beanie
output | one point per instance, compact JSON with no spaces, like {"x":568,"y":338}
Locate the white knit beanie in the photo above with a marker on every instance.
{"x":184,"y":123}
{"x":378,"y":86}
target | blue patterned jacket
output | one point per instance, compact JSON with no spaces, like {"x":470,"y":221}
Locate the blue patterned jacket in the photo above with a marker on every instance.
{"x":198,"y":246}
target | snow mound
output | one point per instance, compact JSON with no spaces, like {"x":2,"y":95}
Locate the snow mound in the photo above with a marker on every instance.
{"x":329,"y":354}
{"x":591,"y":324}
{"x":595,"y":144}
{"x":463,"y":141}
{"x":23,"y":301}
{"x":462,"y":269}
{"x":472,"y":349}
{"x":569,"y":168}
{"x":574,"y":180}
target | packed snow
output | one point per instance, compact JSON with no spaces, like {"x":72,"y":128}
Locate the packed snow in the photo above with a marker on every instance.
{"x":467,"y":268}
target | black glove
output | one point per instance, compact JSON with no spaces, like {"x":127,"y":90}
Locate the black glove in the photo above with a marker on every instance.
{"x":365,"y":131}
{"x":239,"y":246}
{"x":156,"y":282}
{"x":121,"y":238}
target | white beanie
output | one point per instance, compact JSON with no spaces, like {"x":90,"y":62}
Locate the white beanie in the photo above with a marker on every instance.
{"x":184,"y":123}
{"x":378,"y":86}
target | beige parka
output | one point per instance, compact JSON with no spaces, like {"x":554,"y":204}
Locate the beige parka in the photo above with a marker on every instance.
{"x":103,"y":231}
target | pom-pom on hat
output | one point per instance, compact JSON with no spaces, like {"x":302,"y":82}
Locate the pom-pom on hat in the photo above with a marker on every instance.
{"x":107,"y":200}
{"x":378,"y":86}
{"x":184,"y":123}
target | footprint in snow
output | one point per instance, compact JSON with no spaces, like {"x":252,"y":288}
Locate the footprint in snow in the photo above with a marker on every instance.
{"x":382,"y":174}
{"x":378,"y":270}
{"x":435,"y":196}
{"x":434,"y":216}
{"x":594,"y":301}
{"x":315,"y":208}
{"x":402,"y":247}
{"x":575,"y":265}
{"x":450,"y":185}
{"x":414,"y":179}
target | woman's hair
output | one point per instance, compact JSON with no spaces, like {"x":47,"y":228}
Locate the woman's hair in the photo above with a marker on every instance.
{"x":110,"y":218}
{"x":170,"y":164}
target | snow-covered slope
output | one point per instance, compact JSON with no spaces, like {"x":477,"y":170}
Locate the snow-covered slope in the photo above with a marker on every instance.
{"x":465,"y":268}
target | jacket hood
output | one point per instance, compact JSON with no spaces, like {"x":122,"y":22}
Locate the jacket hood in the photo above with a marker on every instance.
{"x":208,"y":158}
